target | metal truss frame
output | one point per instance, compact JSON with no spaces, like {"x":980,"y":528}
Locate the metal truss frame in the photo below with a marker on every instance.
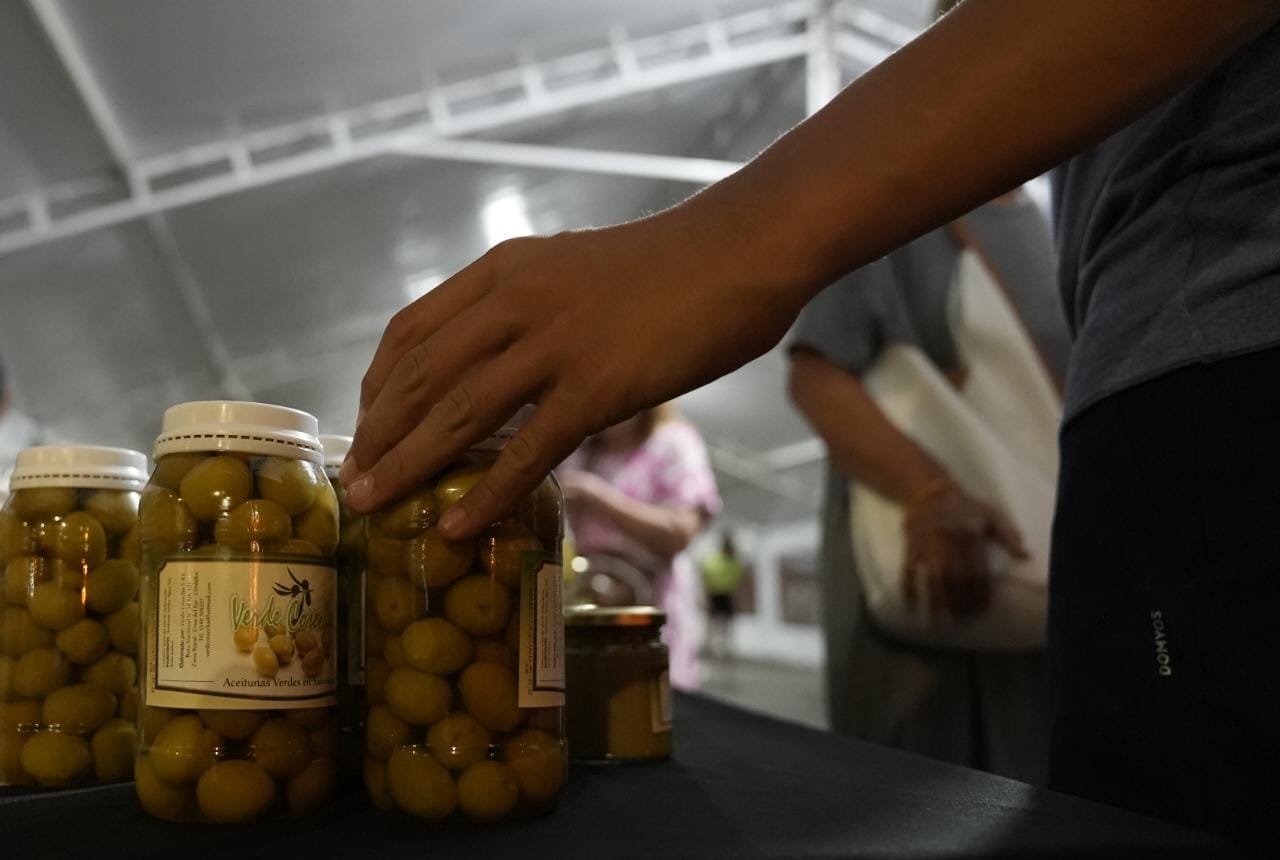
{"x":435,"y":122}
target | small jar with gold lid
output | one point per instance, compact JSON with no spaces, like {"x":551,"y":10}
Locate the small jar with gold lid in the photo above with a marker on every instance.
{"x":619,"y":704}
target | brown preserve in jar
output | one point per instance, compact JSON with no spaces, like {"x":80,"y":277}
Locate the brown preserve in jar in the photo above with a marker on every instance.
{"x":620,"y":710}
{"x":239,"y":530}
{"x":464,"y":671}
{"x":69,"y":556}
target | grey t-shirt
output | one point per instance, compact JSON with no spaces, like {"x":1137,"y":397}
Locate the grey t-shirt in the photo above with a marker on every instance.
{"x":1168,"y":233}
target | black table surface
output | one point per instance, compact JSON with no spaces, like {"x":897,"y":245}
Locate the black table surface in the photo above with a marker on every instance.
{"x":740,"y":785}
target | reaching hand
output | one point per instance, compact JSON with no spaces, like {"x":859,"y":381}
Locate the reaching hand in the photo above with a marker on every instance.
{"x":592,"y":325}
{"x":947,"y":533}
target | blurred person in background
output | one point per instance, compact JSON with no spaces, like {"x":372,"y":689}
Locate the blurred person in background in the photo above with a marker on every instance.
{"x":643,"y":490}
{"x":17,"y":431}
{"x":722,"y":573}
{"x":980,"y":710}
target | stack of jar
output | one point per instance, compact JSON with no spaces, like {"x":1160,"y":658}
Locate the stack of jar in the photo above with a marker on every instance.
{"x":464,"y":678}
{"x":69,"y":627}
{"x":221,"y":580}
{"x":239,"y":530}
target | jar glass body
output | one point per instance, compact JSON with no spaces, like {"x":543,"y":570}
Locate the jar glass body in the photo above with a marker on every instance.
{"x":464,"y":656}
{"x":238,"y":718}
{"x":350,"y":649}
{"x":620,"y":710}
{"x":68,"y":636}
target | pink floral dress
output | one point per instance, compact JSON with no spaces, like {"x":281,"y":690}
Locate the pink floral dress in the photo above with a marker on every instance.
{"x":670,"y":468}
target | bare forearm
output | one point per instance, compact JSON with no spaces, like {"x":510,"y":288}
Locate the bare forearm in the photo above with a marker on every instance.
{"x":665,"y":531}
{"x":996,"y":93}
{"x":861,"y":441}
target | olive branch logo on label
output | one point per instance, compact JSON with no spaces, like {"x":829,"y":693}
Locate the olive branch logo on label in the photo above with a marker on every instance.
{"x":302,"y":587}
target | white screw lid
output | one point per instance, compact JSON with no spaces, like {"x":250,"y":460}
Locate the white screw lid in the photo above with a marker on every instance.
{"x":335,"y":449}
{"x":243,"y":427}
{"x":89,"y":466}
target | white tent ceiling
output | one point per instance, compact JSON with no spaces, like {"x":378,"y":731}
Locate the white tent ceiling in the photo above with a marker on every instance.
{"x":278,"y":290}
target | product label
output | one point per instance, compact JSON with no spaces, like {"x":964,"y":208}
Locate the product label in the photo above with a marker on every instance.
{"x":229,"y":634}
{"x":541,"y":634}
{"x":660,"y":703}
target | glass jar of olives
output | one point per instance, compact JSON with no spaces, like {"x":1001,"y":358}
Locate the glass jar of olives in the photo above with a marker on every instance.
{"x":464,"y":672}
{"x":618,"y":670}
{"x":350,"y":651}
{"x":239,"y":604}
{"x":69,"y":552}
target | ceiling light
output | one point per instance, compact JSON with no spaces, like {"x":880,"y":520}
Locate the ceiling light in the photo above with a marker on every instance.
{"x":505,"y":216}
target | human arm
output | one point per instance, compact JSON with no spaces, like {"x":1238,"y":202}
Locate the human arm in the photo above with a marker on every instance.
{"x":947,"y":531}
{"x":597,"y":324}
{"x":664,"y":530}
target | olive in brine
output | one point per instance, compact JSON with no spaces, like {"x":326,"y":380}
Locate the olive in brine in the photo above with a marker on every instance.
{"x":291,"y":484}
{"x":164,"y":519}
{"x":253,"y":522}
{"x":21,"y":576}
{"x":19,"y":632}
{"x":183,"y":749}
{"x":487,"y":791}
{"x":113,"y":747}
{"x":162,"y":799}
{"x":396,"y":603}
{"x":384,"y":732}
{"x":312,"y":788}
{"x":409,"y":517}
{"x":111,"y":586}
{"x":123,"y":627}
{"x":503,"y":549}
{"x":172,"y":468}
{"x":538,"y":761}
{"x":318,"y":524}
{"x":54,"y":607}
{"x":84,"y":642}
{"x":418,"y":698}
{"x":231,"y":792}
{"x":490,"y":694}
{"x":116,"y":510}
{"x":478,"y":605}
{"x":459,"y":741}
{"x":435,"y":645}
{"x":456,"y":483}
{"x":79,"y":709}
{"x":236,"y":725}
{"x":216,"y":486}
{"x":115,"y":672}
{"x":43,"y":502}
{"x":40,"y":672}
{"x":432,"y":562}
{"x":57,"y":759}
{"x":420,"y":785}
{"x":281,"y":747}
{"x":80,"y":539}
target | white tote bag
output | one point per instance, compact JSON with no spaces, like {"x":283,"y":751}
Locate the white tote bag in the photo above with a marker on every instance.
{"x":998,"y":439}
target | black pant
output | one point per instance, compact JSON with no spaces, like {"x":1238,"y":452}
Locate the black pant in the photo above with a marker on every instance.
{"x":1165,"y":589}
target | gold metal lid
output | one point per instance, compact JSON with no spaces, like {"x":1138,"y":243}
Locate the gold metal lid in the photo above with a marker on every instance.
{"x":590,"y":615}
